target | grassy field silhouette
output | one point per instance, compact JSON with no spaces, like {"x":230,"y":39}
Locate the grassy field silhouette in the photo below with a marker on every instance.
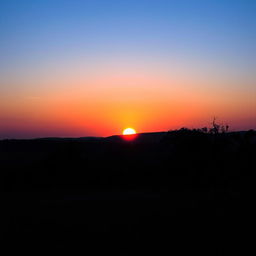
{"x":155,"y":191}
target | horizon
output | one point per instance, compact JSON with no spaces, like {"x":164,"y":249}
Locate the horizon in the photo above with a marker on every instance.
{"x":123,"y":136}
{"x":93,"y":68}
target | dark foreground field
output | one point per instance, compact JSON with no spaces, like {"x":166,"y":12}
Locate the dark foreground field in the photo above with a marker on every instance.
{"x":179,"y":193}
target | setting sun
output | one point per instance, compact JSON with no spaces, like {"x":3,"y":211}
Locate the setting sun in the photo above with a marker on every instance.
{"x":129,"y":131}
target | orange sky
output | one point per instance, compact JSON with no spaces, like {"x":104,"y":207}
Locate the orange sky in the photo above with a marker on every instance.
{"x":105,"y":102}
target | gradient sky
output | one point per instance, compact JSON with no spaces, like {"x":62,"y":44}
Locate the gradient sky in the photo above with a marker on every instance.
{"x":82,"y":68}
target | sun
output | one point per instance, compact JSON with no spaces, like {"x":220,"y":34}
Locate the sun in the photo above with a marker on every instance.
{"x":129,"y":131}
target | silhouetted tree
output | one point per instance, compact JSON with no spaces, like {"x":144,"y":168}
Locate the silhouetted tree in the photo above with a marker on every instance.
{"x":204,"y":129}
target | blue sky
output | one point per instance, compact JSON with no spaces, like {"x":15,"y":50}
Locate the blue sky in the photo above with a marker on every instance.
{"x":39,"y":29}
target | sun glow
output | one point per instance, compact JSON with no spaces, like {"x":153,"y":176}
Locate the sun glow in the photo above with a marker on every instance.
{"x":129,"y":131}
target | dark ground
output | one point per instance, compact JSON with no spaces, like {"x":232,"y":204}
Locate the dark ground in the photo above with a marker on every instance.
{"x":182,"y":193}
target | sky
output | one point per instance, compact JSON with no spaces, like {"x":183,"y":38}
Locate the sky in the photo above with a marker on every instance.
{"x":74,"y":68}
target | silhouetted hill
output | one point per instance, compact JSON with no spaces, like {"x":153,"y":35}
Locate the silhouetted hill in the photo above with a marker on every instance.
{"x":150,"y":137}
{"x":182,"y":190}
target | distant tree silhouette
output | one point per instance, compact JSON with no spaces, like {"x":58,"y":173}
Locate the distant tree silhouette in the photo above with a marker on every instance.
{"x":215,"y":127}
{"x":224,"y":128}
{"x":204,"y":129}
